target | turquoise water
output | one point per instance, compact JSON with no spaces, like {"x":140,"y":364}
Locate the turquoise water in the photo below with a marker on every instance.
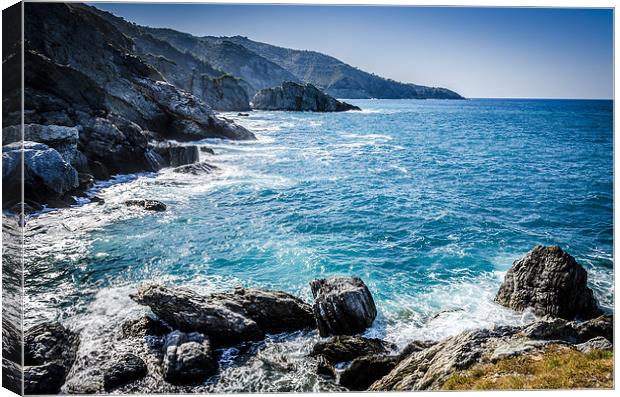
{"x":429,"y":202}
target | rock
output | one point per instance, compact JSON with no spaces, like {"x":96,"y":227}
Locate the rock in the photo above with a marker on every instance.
{"x":99,"y":170}
{"x":98,"y":200}
{"x":343,"y":305}
{"x":364,"y":371}
{"x":208,"y":150}
{"x":175,"y":155}
{"x":551,"y":282}
{"x":345,"y":348}
{"x":195,"y":169}
{"x":298,"y":97}
{"x":143,"y":326}
{"x":188,"y":358}
{"x":517,"y":347}
{"x":149,"y":205}
{"x":243,"y":114}
{"x":551,"y":329}
{"x":49,"y":352}
{"x":324,"y":367}
{"x":598,"y":343}
{"x":273,"y":311}
{"x":46,"y":173}
{"x":122,"y":370}
{"x":189,"y":311}
{"x":599,"y":326}
{"x":428,"y":369}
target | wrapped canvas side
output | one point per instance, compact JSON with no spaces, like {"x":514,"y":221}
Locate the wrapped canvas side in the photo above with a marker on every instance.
{"x":12,"y":204}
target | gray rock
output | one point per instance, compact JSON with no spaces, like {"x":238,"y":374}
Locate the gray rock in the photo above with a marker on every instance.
{"x":124,"y":369}
{"x":46,"y":173}
{"x":190,"y":311}
{"x":517,"y":347}
{"x":49,"y":352}
{"x":188,"y":358}
{"x":298,"y":97}
{"x":142,"y":327}
{"x":598,"y":343}
{"x":345,"y":348}
{"x":551,"y":282}
{"x":364,"y":371}
{"x":195,"y":169}
{"x":175,"y":155}
{"x":599,"y":326}
{"x":342,"y":306}
{"x":149,"y":205}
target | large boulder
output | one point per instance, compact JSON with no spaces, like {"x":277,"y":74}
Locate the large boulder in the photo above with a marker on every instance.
{"x":46,"y":174}
{"x":298,"y":97}
{"x":551,"y":282}
{"x":188,"y":358}
{"x":342,"y":306}
{"x":273,"y":311}
{"x":228,"y":317}
{"x":175,"y":155}
{"x":49,"y":352}
{"x":364,"y":371}
{"x":189,"y":311}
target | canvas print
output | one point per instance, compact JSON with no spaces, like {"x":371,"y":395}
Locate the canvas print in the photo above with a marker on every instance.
{"x":240,"y":198}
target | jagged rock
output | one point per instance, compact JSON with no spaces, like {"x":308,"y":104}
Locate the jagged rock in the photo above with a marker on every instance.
{"x":126,"y":368}
{"x":517,"y":347}
{"x":598,"y":343}
{"x":599,"y":326}
{"x":364,"y":371}
{"x":46,"y":173}
{"x":551,"y":282}
{"x":188,"y":358}
{"x":149,"y":205}
{"x":49,"y":352}
{"x":345,"y":348}
{"x":195,"y":169}
{"x":190,"y":311}
{"x":298,"y":97}
{"x":143,"y":326}
{"x":342,"y":306}
{"x":273,"y":311}
{"x":429,"y":368}
{"x":208,"y":150}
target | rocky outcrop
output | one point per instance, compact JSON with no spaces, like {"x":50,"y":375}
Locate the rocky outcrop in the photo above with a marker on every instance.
{"x":195,"y":169}
{"x":175,"y":155}
{"x":149,"y":205}
{"x":227,"y":318}
{"x":342,"y":306}
{"x":46,"y":174}
{"x":297,"y":97}
{"x":49,"y":352}
{"x":551,"y":282}
{"x":188,"y":358}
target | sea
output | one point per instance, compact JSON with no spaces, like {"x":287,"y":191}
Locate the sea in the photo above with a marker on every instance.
{"x":428,"y":201}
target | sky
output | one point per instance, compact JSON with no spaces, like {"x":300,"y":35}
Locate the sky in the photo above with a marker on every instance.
{"x":478,"y":52}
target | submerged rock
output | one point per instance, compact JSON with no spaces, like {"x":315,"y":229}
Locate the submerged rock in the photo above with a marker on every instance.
{"x":298,"y":97}
{"x":195,"y":169}
{"x":188,"y":358}
{"x":122,"y":370}
{"x":49,"y":352}
{"x":149,"y":205}
{"x":551,"y":282}
{"x":342,"y":306}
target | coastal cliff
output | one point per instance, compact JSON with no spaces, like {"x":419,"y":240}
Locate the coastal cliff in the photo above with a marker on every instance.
{"x":180,"y":342}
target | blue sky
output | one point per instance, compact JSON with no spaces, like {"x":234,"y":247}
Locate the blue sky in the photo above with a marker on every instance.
{"x":478,"y":52}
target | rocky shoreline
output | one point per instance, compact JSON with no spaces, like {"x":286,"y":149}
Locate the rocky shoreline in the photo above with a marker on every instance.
{"x":181,"y":341}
